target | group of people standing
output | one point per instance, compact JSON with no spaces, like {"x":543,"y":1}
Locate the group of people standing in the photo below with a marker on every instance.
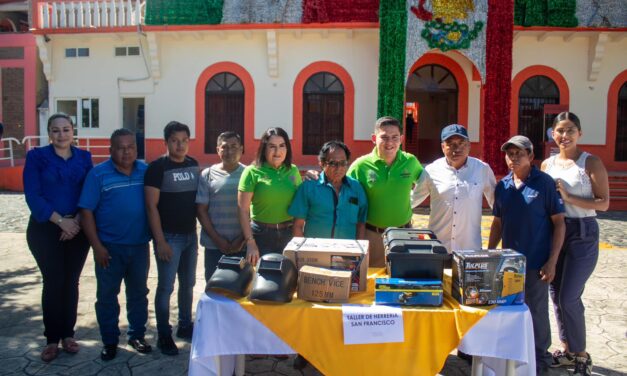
{"x":117,"y":206}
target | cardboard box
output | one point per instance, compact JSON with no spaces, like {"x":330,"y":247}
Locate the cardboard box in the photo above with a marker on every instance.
{"x":492,"y":276}
{"x":336,"y":254}
{"x":408,"y":292}
{"x":323,"y":285}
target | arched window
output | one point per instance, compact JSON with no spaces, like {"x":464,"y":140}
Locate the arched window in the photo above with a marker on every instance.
{"x":224,"y":108}
{"x":621,"y":125}
{"x":323,"y":111}
{"x":534,"y":93}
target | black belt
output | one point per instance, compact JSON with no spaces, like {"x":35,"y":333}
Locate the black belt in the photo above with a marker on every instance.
{"x":381,"y":230}
{"x":275,"y":226}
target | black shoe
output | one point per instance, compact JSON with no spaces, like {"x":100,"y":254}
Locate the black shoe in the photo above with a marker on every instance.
{"x":140,"y":345}
{"x":583,"y":366}
{"x":185,"y":332}
{"x":108,"y":352}
{"x":300,"y":362}
{"x":167,"y":345}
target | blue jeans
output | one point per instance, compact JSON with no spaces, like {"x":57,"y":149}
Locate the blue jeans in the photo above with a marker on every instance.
{"x":212,"y":256}
{"x":183,"y":262}
{"x":270,"y":240}
{"x":128,"y":263}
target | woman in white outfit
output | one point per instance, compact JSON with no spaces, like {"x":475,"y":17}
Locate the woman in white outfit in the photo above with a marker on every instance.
{"x":582,"y":182}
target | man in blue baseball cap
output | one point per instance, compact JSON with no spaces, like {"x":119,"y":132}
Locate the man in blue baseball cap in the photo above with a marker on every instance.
{"x":456,"y":184}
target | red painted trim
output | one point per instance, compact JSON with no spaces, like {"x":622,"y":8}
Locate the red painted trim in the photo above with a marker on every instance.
{"x":607,"y":152}
{"x":476,"y":76}
{"x":479,"y":153}
{"x":197,"y":147}
{"x":29,"y":64}
{"x":146,"y":28}
{"x":85,"y":30}
{"x":262,"y":26}
{"x":17,"y":40}
{"x":524,"y":75}
{"x":460,"y":77}
{"x":297,"y":120}
{"x":11,"y":179}
{"x":575,"y":29}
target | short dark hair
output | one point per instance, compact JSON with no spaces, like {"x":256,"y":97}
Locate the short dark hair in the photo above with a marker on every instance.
{"x":119,"y":133}
{"x":59,"y":115}
{"x":174,"y":126}
{"x":260,"y":159}
{"x":330,"y":146}
{"x":228,"y":134}
{"x":567,"y":116}
{"x":386,"y":121}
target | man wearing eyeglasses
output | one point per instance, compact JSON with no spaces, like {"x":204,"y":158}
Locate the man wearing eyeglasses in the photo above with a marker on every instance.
{"x":388,"y":176}
{"x":330,"y":204}
{"x":334,"y":205}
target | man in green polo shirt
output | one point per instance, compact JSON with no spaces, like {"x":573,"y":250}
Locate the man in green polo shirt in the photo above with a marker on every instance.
{"x":388,"y":176}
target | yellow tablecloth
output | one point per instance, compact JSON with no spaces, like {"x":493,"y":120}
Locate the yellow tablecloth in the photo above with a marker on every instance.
{"x":315,"y":331}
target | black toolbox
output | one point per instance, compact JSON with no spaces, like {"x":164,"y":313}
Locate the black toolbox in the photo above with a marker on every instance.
{"x":414,"y":254}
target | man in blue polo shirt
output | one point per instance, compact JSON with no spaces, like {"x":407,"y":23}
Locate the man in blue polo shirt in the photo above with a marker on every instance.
{"x":529,"y":217}
{"x":335,"y":205}
{"x":113,"y":217}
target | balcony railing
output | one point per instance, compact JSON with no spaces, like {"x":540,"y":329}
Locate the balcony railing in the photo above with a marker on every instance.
{"x":89,"y":14}
{"x":6,"y":152}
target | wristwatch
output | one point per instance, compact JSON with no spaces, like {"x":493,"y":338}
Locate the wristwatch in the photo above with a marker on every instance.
{"x":59,"y":220}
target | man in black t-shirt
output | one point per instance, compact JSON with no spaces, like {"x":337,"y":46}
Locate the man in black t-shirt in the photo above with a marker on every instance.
{"x":170,"y":188}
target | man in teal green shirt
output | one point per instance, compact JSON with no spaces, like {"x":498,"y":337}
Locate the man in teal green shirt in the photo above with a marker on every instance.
{"x":334,"y":205}
{"x":388,"y":176}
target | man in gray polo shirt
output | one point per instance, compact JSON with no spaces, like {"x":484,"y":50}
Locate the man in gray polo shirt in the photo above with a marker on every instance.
{"x":217,"y":203}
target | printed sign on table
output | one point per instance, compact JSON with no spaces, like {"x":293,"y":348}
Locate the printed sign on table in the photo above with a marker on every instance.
{"x":372,"y":324}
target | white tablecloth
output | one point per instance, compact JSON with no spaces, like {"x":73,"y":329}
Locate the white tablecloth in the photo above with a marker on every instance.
{"x":224,"y":328}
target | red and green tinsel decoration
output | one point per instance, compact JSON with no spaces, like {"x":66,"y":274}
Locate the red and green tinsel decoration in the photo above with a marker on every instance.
{"x":498,"y":86}
{"x":392,"y":38}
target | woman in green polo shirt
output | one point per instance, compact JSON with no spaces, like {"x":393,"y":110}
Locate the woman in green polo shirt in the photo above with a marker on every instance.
{"x":266,"y":189}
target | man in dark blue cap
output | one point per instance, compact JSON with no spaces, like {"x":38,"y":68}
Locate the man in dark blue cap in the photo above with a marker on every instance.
{"x":529,"y":217}
{"x":456,"y":184}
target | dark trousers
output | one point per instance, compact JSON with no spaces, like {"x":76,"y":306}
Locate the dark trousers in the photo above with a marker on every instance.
{"x":270,"y":240}
{"x":60,"y":263}
{"x":575,"y":265}
{"x":128,"y":263}
{"x":537,"y":298}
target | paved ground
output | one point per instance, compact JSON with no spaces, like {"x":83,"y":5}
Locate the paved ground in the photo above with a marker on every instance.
{"x":21,"y":326}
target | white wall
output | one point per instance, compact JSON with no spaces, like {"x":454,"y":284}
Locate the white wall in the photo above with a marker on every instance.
{"x":183,"y":60}
{"x":184,"y":55}
{"x":588,"y":99}
{"x":95,"y":76}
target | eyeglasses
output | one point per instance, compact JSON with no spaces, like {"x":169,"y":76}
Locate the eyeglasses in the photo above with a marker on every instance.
{"x":337,"y":164}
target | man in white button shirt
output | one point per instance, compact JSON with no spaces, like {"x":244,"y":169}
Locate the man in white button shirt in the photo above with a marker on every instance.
{"x":456,"y":184}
